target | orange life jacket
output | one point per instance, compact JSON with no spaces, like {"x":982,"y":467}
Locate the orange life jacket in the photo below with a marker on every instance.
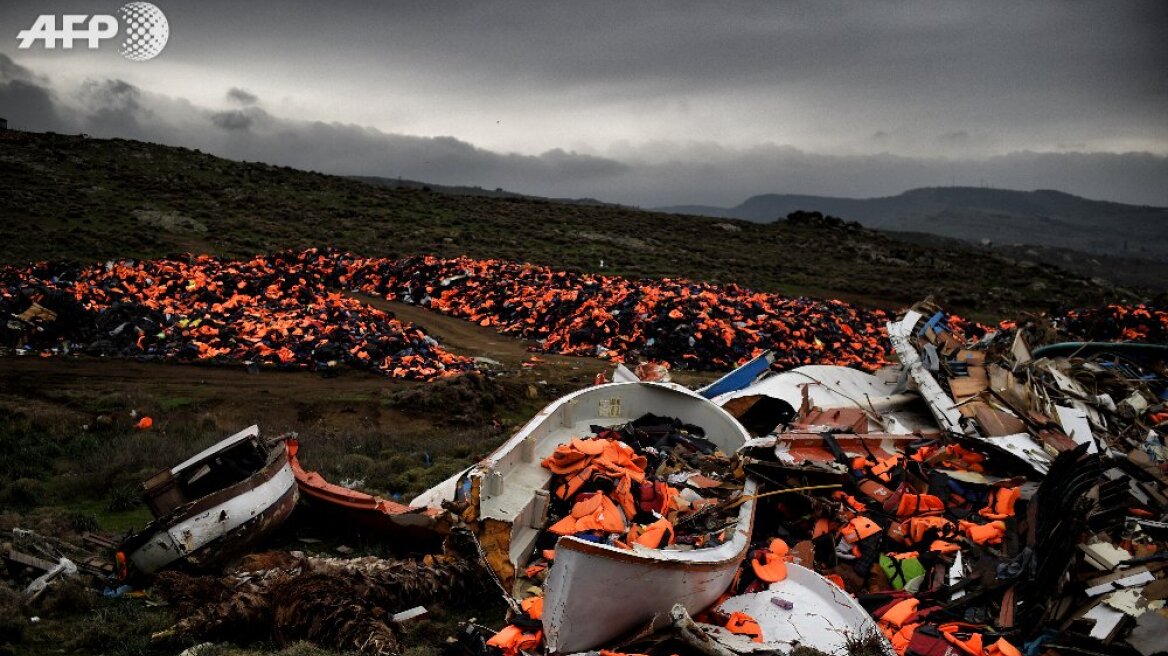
{"x":901,"y":612}
{"x":1000,"y":503}
{"x":770,"y":564}
{"x":918,"y":526}
{"x":595,"y":512}
{"x":744,"y":624}
{"x":902,"y":637}
{"x":533,"y":606}
{"x":859,"y":528}
{"x":919,"y":504}
{"x":511,"y":639}
{"x":655,"y":535}
{"x":1002,"y":648}
{"x":953,"y":631}
{"x":991,"y":533}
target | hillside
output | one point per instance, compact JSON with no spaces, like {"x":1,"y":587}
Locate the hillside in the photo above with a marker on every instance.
{"x":69,"y":197}
{"x":463,"y":190}
{"x":1044,"y":218}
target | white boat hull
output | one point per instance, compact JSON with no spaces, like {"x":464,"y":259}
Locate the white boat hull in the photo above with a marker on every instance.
{"x":821,"y":616}
{"x":596,"y":593}
{"x":210,"y":529}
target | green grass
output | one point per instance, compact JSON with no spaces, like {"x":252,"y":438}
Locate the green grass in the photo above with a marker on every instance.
{"x":118,"y":523}
{"x":176,"y":402}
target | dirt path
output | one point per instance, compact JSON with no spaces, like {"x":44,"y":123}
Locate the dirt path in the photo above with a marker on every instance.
{"x":469,"y":339}
{"x":465,"y":338}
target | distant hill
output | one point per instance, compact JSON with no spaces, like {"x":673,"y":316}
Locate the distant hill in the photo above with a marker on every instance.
{"x":463,"y":190}
{"x":1043,"y":218}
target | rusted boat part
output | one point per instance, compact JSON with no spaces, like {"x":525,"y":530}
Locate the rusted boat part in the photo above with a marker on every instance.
{"x":808,"y":449}
{"x":506,"y":497}
{"x":214,"y":505}
{"x":804,"y":609}
{"x":422,"y":528}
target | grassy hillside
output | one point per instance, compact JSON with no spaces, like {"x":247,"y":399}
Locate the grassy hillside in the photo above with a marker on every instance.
{"x":85,"y":199}
{"x":463,"y":190}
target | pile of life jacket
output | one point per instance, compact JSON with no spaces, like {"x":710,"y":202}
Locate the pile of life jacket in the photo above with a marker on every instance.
{"x":288,"y":310}
{"x":638,"y":486}
{"x":273,"y":311}
{"x":689,"y":324}
{"x":1115,"y":323}
{"x":889,"y":535}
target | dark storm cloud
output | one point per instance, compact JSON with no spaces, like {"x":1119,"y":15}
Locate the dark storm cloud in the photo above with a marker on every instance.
{"x":1017,"y":74}
{"x":981,"y":52}
{"x":653,"y":174}
{"x":663,"y":102}
{"x":113,"y":107}
{"x":242,"y":96}
{"x":238,"y":119}
{"x":116,"y":108}
{"x":24,"y":100}
{"x":702,"y":43}
{"x":356,"y":150}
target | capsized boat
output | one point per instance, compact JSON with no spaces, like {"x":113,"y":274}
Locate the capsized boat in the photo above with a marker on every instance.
{"x":422,"y":529}
{"x":214,"y":505}
{"x":596,"y":592}
{"x":804,"y":609}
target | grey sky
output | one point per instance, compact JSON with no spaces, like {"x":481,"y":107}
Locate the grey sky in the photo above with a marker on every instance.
{"x":642,"y":102}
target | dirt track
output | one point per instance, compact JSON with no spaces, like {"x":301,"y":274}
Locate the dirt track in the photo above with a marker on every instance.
{"x":469,"y":339}
{"x":466,"y":338}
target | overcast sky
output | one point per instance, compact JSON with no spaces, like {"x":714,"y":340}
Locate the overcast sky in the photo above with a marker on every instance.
{"x":649,"y":103}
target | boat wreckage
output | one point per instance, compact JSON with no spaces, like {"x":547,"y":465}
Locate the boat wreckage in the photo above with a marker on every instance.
{"x":213,"y":506}
{"x":987,"y":495}
{"x":582,"y":500}
{"x":422,"y":528}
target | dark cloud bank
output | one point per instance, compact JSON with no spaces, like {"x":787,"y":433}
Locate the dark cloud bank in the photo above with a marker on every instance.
{"x":649,"y":175}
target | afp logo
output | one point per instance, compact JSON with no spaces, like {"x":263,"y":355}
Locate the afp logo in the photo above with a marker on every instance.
{"x":140,"y":26}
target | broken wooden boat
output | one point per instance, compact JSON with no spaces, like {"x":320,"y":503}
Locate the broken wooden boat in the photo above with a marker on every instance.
{"x":595,"y":592}
{"x":803,"y":610}
{"x":214,"y":505}
{"x":421,"y":529}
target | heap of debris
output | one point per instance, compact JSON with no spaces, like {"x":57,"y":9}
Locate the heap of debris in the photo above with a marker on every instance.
{"x":349,"y":604}
{"x":284,"y":311}
{"x":993,"y":493}
{"x":1028,"y":516}
{"x":43,"y":560}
